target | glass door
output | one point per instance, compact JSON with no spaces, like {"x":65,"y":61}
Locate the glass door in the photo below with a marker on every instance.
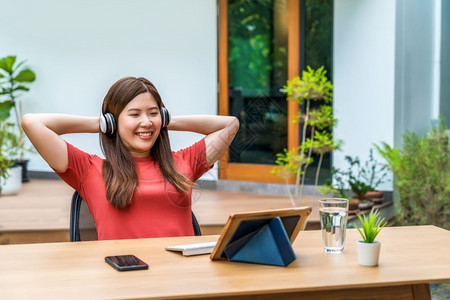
{"x":258,"y":51}
{"x":261,"y":45}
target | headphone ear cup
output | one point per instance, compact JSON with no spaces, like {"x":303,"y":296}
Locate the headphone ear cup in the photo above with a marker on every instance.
{"x":165,"y":117}
{"x":108,"y":124}
{"x":103,"y":126}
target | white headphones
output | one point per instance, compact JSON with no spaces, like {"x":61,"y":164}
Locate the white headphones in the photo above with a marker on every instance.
{"x":108,"y":124}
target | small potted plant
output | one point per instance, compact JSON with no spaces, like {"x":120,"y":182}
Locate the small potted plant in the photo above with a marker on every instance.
{"x":359,"y":189}
{"x":374,"y":174}
{"x":364,"y":179}
{"x":369,"y":248}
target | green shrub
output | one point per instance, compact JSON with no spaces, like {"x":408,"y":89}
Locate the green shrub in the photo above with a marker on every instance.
{"x":422,"y":177}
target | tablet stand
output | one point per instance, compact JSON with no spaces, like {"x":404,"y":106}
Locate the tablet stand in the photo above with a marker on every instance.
{"x":268,"y":245}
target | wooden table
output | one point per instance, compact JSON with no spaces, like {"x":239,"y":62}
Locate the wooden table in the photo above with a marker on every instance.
{"x":411,"y":257}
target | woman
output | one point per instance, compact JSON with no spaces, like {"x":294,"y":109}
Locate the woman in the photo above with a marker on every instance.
{"x":141,"y":189}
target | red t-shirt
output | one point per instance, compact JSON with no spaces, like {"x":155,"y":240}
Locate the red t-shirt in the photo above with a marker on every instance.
{"x":157,"y":209}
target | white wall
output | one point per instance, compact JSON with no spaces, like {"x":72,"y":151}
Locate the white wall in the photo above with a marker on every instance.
{"x":79,"y":48}
{"x":415,"y":92}
{"x":364,"y":73}
{"x":444,"y":108}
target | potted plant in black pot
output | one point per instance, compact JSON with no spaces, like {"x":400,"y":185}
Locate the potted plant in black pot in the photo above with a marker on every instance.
{"x":14,"y":81}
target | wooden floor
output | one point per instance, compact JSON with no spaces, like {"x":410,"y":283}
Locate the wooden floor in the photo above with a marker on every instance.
{"x":41,"y":211}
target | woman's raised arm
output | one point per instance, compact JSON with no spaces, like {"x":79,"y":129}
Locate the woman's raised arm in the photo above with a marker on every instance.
{"x":44,"y":132}
{"x":219,"y":130}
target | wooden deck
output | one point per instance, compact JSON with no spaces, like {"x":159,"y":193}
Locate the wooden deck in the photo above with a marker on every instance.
{"x":212,"y":207}
{"x":41,"y":211}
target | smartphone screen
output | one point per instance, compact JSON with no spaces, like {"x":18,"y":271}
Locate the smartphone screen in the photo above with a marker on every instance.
{"x":126,"y":262}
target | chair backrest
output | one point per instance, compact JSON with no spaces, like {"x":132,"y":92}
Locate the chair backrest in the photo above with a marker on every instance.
{"x":82,"y":224}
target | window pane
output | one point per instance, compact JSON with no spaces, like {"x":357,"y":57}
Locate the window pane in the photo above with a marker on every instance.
{"x":319,"y":34}
{"x":257,"y":68}
{"x":318,"y":52}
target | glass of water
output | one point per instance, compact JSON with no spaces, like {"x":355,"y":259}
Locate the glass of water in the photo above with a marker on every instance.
{"x":333,"y":221}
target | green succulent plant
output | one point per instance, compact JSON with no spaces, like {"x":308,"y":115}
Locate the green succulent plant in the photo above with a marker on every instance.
{"x":371,"y":225}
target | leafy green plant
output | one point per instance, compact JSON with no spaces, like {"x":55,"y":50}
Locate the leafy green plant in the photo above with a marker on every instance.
{"x":371,"y":225}
{"x":14,"y":80}
{"x":8,"y":147}
{"x":336,"y":185}
{"x":421,"y":177}
{"x":317,"y":138}
{"x":359,"y":178}
{"x":366,"y":177}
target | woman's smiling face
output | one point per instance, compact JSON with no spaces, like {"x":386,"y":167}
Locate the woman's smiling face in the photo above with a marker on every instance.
{"x":139,"y":124}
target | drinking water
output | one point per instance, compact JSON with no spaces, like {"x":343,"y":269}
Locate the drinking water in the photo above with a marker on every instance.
{"x":333,"y":222}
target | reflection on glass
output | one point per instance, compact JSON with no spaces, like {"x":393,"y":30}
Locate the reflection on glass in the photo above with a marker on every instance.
{"x":257,"y":41}
{"x":319,"y":34}
{"x":318,"y":52}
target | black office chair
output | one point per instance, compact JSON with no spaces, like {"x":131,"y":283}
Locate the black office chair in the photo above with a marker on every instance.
{"x":82,"y":225}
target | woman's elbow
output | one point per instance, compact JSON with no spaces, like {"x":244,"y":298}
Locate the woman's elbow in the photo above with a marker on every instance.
{"x":26,"y":121}
{"x":234,"y":124}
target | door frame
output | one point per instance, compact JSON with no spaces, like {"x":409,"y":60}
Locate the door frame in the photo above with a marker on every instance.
{"x":257,"y":172}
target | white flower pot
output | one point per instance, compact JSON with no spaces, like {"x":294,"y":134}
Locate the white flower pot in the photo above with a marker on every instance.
{"x":368,"y":253}
{"x":13,"y":183}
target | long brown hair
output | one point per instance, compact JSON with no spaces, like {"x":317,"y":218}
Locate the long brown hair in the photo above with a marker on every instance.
{"x":119,"y":168}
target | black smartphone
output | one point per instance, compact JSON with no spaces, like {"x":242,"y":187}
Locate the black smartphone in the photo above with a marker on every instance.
{"x":126,"y":262}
